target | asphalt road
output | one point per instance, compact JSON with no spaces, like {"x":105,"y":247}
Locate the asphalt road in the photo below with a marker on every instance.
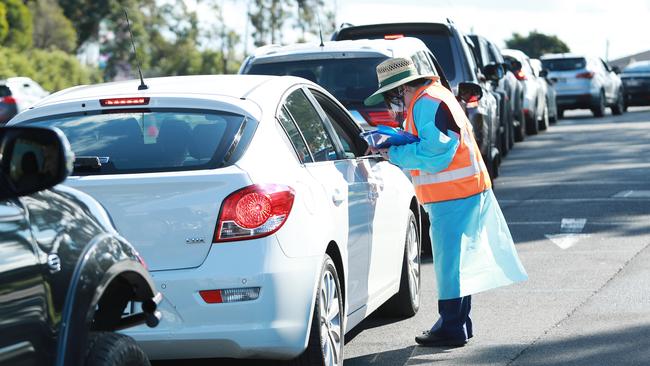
{"x":577,"y":200}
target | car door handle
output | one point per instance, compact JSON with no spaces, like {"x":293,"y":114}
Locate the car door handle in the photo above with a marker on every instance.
{"x":338,"y":197}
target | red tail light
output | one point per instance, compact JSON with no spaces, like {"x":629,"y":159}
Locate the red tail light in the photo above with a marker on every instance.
{"x":520,"y":75}
{"x":585,"y":75}
{"x":253,"y":212}
{"x":379,"y":117}
{"x":8,"y":100}
{"x":393,"y":36}
{"x":472,"y":102}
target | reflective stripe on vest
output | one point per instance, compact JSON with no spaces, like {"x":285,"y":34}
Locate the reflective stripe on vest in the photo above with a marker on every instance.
{"x":466,"y":175}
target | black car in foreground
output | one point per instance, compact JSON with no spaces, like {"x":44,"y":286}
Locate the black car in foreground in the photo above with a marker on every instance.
{"x":636,"y":83}
{"x":66,"y":275}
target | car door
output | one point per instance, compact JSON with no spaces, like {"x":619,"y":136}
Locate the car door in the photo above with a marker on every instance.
{"x":343,"y":180}
{"x":23,"y":307}
{"x":609,"y":81}
{"x":386,"y":229}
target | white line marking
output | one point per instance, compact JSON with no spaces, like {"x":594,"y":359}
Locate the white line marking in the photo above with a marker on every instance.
{"x":572,"y":225}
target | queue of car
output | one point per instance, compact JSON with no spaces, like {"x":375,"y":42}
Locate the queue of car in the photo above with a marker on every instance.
{"x":267,"y":230}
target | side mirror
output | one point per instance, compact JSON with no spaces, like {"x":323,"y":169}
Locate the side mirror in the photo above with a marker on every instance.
{"x":493,"y":72}
{"x":543,"y":73}
{"x":32,"y":159}
{"x":469,"y":92}
{"x":616,"y":69}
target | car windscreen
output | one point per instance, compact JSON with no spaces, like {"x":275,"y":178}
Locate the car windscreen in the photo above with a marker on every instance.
{"x":135,"y":141}
{"x":350,"y":79}
{"x":564,"y":64}
{"x":4,"y":91}
{"x":637,"y":67}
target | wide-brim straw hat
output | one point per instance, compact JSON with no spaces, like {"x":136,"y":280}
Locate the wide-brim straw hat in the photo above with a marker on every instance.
{"x":392,"y":73}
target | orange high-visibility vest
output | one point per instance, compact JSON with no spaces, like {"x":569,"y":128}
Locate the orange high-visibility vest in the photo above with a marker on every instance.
{"x":466,"y":175}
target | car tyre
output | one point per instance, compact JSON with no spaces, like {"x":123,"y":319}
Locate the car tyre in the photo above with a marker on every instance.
{"x":619,"y":107}
{"x":560,"y":113}
{"x":406,"y":302}
{"x":113,"y":349}
{"x":532,"y":127}
{"x":544,"y":121}
{"x":599,"y":109}
{"x":325,"y":345}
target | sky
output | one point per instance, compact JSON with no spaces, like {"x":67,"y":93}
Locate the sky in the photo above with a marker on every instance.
{"x":605,"y":28}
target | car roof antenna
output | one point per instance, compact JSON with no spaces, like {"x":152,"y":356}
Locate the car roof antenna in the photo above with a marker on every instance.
{"x":320,"y":29}
{"x":142,"y":85}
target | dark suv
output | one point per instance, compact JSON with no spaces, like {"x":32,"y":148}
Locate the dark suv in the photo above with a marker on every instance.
{"x":451,"y":48}
{"x":66,"y":275}
{"x":508,"y":88}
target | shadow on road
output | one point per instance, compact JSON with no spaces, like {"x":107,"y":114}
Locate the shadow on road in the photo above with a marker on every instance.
{"x":629,"y":346}
{"x":392,"y":357}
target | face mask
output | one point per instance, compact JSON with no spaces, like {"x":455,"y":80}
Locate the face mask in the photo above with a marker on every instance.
{"x":398,"y":110}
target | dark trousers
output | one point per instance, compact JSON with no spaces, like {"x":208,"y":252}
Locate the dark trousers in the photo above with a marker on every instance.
{"x":454,"y":319}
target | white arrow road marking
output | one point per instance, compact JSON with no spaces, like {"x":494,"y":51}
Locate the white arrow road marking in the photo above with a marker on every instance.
{"x":565,"y":241}
{"x":570,"y":233}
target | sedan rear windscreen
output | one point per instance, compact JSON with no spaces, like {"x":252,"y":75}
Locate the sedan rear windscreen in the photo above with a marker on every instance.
{"x":564,"y":64}
{"x":637,"y":67}
{"x":4,"y":91}
{"x":350,"y":80}
{"x":148,"y":141}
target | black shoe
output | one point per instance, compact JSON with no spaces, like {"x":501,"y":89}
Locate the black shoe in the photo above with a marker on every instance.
{"x":435,"y":339}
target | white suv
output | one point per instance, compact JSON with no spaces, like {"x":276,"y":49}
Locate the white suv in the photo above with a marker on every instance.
{"x":584,"y":83}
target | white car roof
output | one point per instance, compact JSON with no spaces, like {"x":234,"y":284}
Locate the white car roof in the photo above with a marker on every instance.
{"x":561,"y":55}
{"x":520,"y":55}
{"x":390,"y":48}
{"x":246,"y":92}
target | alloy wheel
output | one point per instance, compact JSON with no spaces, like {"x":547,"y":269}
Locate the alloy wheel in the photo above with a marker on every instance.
{"x":413,"y":261}
{"x":330,"y":320}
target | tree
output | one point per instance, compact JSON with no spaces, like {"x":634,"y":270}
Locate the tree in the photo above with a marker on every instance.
{"x":51,"y":28}
{"x":268,"y":17}
{"x":19,"y":20}
{"x":86,"y":16}
{"x":310,"y":13}
{"x":536,"y":44}
{"x":4,"y":25}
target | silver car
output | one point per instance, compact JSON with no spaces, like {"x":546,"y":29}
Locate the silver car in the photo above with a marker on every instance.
{"x":584,"y":83}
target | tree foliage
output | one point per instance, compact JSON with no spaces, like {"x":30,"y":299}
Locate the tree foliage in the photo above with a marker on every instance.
{"x":51,"y":28}
{"x":19,"y":20}
{"x":4,"y":25}
{"x":536,"y":44}
{"x":86,"y":15}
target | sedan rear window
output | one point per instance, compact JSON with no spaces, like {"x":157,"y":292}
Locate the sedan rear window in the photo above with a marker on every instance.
{"x":4,"y":91}
{"x":564,"y":64}
{"x":638,"y":67}
{"x":350,"y":80}
{"x":149,"y":141}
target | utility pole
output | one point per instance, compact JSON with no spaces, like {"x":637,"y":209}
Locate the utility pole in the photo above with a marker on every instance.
{"x":607,"y":50}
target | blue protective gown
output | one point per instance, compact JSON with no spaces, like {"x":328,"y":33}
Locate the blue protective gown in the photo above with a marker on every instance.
{"x":473,"y":250}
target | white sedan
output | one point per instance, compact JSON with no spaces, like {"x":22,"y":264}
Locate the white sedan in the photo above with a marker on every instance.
{"x":265,"y":226}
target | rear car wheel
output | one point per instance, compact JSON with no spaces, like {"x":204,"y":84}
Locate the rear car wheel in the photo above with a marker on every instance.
{"x":325,"y":345}
{"x":113,"y":349}
{"x":599,"y":109}
{"x":532,"y":128}
{"x":406,"y":302}
{"x":543,"y":122}
{"x":619,"y":107}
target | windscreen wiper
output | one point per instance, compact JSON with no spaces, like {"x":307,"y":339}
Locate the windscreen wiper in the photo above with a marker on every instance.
{"x":89,"y":163}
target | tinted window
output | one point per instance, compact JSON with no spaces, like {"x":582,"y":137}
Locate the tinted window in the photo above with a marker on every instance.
{"x":638,"y":67}
{"x":151,"y":141}
{"x":294,"y":136}
{"x":564,"y":64}
{"x":311,"y":125}
{"x":4,"y":91}
{"x":350,"y":80}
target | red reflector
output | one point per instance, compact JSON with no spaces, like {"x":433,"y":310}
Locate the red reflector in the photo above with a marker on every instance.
{"x":379,"y":117}
{"x":585,"y":75}
{"x":211,"y":296}
{"x":124,"y":101}
{"x":393,"y":36}
{"x":8,"y":100}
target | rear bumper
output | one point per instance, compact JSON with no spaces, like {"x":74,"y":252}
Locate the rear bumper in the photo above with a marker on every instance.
{"x":637,"y":97}
{"x":275,"y":325}
{"x":576,"y":101}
